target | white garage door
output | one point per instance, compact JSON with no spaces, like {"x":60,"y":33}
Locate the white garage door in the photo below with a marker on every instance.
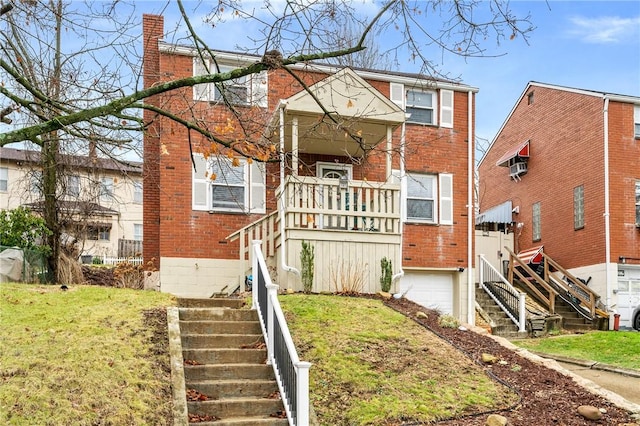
{"x":628,"y":300}
{"x":433,"y":291}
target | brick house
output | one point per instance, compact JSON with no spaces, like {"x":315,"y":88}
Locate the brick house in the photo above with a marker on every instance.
{"x":385,"y":171}
{"x":568,"y":162}
{"x":101,"y":201}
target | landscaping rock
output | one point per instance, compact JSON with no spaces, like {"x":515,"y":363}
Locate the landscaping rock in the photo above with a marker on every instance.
{"x":384,"y":295}
{"x":488,"y":358}
{"x":422,"y":315}
{"x":496,"y":420}
{"x":589,"y":412}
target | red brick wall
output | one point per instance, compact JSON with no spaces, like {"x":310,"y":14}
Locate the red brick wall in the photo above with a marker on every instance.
{"x":566,"y":133}
{"x":184,"y":232}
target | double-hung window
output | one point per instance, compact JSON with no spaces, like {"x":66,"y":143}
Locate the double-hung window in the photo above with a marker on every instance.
{"x":246,"y":90}
{"x":137,"y":192}
{"x":106,"y":189}
{"x":636,"y":120}
{"x":218,"y":185}
{"x":429,"y":198}
{"x":4,"y":179}
{"x":434,"y":107}
{"x":638,"y":203}
{"x":137,"y":231}
{"x":578,"y":207}
{"x":73,"y":186}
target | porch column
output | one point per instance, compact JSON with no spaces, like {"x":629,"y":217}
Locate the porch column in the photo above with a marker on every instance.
{"x":389,"y":148}
{"x":294,"y":146}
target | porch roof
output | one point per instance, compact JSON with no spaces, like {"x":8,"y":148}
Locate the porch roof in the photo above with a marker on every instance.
{"x":355,"y":116}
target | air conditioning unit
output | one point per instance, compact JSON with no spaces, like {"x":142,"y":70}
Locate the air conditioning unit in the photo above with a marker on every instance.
{"x":517,"y":169}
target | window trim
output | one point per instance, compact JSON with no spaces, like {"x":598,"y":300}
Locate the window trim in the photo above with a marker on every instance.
{"x":254,"y":84}
{"x":73,"y":190}
{"x":136,"y":236}
{"x":138,"y":193}
{"x":106,"y":190}
{"x":636,"y":121}
{"x":410,"y":177}
{"x":433,"y":108}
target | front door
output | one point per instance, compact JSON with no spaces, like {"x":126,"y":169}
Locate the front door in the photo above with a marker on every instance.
{"x":332,"y":171}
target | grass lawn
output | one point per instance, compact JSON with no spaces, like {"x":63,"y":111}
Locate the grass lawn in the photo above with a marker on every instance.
{"x":619,"y":348}
{"x":372,"y":365}
{"x":81,"y":357}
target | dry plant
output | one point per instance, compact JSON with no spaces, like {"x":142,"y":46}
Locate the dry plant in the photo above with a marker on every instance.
{"x":348,"y":277}
{"x":69,"y":269}
{"x":128,"y":275}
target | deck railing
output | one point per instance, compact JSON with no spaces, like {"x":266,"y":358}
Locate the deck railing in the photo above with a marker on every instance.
{"x":529,"y":278}
{"x":320,"y":203}
{"x":511,"y":301}
{"x":291,"y":374}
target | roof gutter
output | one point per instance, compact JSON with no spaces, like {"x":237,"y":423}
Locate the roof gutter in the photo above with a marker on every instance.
{"x":403,"y":189}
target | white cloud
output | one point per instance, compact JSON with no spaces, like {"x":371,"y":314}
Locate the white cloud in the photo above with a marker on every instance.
{"x":605,"y":29}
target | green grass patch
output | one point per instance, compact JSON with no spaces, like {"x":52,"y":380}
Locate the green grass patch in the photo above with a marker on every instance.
{"x":619,"y":348}
{"x":81,"y":357}
{"x":372,"y":365}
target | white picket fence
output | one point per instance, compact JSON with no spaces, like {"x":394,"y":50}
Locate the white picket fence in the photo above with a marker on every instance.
{"x":115,"y":260}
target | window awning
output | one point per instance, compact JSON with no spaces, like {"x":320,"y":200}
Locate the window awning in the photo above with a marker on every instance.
{"x":521,"y":150}
{"x":497,"y":214}
{"x":531,"y":256}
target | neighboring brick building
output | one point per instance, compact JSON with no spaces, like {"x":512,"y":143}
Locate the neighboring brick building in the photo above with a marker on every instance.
{"x":411,"y":202}
{"x":549,"y":160}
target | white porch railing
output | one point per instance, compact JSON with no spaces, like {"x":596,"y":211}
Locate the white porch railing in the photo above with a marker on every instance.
{"x":319,"y":203}
{"x":291,"y":374}
{"x":510,"y":300}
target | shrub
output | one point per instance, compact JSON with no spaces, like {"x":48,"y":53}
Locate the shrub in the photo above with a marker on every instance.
{"x":307,"y":257}
{"x":96,"y":261}
{"x":385,"y":277}
{"x":448,"y":321}
{"x":348,"y":278}
{"x":128,"y":275}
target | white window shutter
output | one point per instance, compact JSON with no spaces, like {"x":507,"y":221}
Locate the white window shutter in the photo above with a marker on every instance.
{"x":257,"y":183}
{"x":397,"y":94}
{"x":200,"y":91}
{"x":446,"y":108}
{"x":259,"y":89}
{"x":199,"y":184}
{"x":396,"y":177}
{"x":446,"y":198}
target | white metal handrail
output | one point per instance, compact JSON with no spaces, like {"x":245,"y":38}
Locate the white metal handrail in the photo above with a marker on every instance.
{"x":488,"y":273}
{"x":292,"y":375}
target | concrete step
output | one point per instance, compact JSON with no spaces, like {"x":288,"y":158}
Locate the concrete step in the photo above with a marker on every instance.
{"x":236,"y":407}
{"x":220,"y":389}
{"x":504,"y":322}
{"x":500,"y":330}
{"x":211,"y":303}
{"x":226,"y":356}
{"x":194,"y":373}
{"x":217,"y":314}
{"x":212,"y":341}
{"x":247,"y":421}
{"x":220,"y":327}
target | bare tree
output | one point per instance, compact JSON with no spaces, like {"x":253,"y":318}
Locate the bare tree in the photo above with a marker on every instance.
{"x":60,"y":96}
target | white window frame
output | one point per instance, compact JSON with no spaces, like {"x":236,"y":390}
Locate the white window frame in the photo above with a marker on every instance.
{"x":433,"y":108}
{"x":253,"y":183}
{"x":578,"y":207}
{"x":255,"y":85}
{"x":106,"y":188}
{"x":413,"y":179}
{"x":442,"y":104}
{"x":637,"y":194}
{"x":4,"y":179}
{"x":636,"y":120}
{"x":138,"y":231}
{"x":536,"y":222}
{"x":137,"y":192}
{"x":322,"y":167}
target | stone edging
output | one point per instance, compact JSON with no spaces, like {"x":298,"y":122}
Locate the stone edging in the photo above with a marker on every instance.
{"x":180,"y":413}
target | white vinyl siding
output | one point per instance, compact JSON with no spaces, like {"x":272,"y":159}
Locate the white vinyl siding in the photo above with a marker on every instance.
{"x":220,"y":186}
{"x":246,"y":90}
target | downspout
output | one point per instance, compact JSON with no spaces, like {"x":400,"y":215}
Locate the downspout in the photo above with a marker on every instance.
{"x":607,"y":231}
{"x":283,"y":259}
{"x":403,"y":188}
{"x":471,"y":307}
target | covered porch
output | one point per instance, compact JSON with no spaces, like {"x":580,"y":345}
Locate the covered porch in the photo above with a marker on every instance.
{"x":324,"y":135}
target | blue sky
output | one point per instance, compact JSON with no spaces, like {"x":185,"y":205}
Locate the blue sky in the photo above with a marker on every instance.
{"x":591,"y":45}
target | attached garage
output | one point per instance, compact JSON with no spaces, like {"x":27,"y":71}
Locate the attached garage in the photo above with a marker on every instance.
{"x":432,"y":290}
{"x":628,"y":293}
